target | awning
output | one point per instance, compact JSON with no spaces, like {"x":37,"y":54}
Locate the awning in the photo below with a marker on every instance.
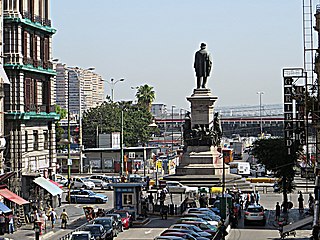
{"x":12,"y":197}
{"x":6,"y":176}
{"x":4,"y":208}
{"x":3,"y":75}
{"x":49,"y":186}
{"x":55,"y":183}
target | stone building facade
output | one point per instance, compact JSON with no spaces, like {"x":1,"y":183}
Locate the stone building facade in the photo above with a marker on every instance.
{"x":29,"y":103}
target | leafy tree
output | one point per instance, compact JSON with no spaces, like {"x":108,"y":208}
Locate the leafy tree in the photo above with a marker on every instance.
{"x":59,"y":130}
{"x":106,"y":118}
{"x":273,"y":154}
{"x":145,"y":95}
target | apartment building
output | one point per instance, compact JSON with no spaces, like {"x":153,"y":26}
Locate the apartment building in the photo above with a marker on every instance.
{"x":85,"y":88}
{"x":29,"y":103}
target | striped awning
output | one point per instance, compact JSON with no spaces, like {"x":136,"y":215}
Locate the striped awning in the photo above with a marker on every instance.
{"x":53,"y":189}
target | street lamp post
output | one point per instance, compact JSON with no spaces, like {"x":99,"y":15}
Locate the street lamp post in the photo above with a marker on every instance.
{"x":260,"y":97}
{"x":173,"y":106}
{"x":113,"y":83}
{"x":121,"y":146}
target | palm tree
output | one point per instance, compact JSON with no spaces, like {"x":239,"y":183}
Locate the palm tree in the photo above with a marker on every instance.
{"x":145,"y":95}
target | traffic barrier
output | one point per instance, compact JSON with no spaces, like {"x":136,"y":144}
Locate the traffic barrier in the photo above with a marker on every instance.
{"x":262,"y":180}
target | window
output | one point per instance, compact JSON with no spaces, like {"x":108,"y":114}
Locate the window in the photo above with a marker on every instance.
{"x":127,"y":199}
{"x":26,"y":140}
{"x":46,"y":140}
{"x":35,"y":140}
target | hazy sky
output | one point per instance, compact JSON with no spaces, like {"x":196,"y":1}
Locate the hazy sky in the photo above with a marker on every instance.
{"x":153,"y":42}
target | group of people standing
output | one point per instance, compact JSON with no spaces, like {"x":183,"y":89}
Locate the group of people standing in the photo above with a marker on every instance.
{"x":6,"y":223}
{"x":40,"y":219}
{"x":311,"y":202}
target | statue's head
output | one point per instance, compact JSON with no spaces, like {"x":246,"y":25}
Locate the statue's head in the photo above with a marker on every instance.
{"x":203,"y":45}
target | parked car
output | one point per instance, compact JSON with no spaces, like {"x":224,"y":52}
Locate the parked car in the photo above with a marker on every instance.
{"x":126,"y":218}
{"x":117,"y":219}
{"x":179,"y":234}
{"x":82,"y":235}
{"x":177,"y":187}
{"x":108,"y":224}
{"x":213,"y":216}
{"x":203,"y":216}
{"x":96,"y":230}
{"x":184,"y":219}
{"x":97,"y":182}
{"x":192,"y":227}
{"x":254,"y":213}
{"x":203,"y":226}
{"x":82,"y":183}
{"x":191,"y":232}
{"x":168,"y":238}
{"x":61,"y":179}
{"x":86,"y":196}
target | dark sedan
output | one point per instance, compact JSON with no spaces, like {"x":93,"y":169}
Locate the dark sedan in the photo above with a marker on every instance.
{"x":191,"y":232}
{"x":108,"y":224}
{"x":96,"y":230}
{"x":193,"y":228}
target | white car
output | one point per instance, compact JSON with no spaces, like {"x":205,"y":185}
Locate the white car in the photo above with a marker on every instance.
{"x":254,"y":213}
{"x":177,"y":187}
{"x":61,"y":179}
{"x":101,"y":181}
{"x":84,"y":235}
{"x":82,"y":183}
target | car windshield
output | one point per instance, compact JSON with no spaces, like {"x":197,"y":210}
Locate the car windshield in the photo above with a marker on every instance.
{"x":91,"y":193}
{"x":195,"y":228}
{"x":255,"y":210}
{"x":80,"y":236}
{"x":95,"y":230}
{"x":104,"y":222}
{"x":122,"y":214}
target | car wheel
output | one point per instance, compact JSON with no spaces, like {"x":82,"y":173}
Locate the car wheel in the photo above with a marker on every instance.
{"x":84,"y":186}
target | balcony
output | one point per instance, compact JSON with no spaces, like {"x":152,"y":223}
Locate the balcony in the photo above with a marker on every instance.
{"x":32,"y":20}
{"x":39,"y":108}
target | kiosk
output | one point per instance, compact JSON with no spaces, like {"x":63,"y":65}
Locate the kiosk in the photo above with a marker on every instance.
{"x":128,"y":197}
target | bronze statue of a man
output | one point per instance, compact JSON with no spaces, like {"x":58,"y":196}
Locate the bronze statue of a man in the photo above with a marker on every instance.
{"x":202,"y":65}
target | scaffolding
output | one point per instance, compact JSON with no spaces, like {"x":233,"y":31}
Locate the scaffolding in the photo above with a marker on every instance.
{"x":312,"y":66}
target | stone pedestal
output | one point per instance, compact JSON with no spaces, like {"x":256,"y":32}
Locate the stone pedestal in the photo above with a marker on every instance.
{"x":202,"y":107}
{"x":201,"y":164}
{"x":204,"y":160}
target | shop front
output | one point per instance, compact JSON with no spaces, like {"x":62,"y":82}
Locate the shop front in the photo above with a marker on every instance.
{"x":51,"y":192}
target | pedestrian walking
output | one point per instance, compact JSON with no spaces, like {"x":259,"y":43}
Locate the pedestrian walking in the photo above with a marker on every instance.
{"x":11,"y":224}
{"x":257,"y":197}
{"x":300,"y":200}
{"x":53,"y":217}
{"x":311,"y":203}
{"x":2,"y":223}
{"x":64,"y":219}
{"x":277,"y":211}
{"x":59,"y":200}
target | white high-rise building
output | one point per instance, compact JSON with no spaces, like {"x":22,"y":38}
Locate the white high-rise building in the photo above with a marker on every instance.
{"x":85,"y":87}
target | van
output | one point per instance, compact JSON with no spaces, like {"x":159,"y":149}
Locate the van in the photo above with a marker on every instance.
{"x":241,"y":168}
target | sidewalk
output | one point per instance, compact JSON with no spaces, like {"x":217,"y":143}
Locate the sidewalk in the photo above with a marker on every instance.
{"x":74,"y":211}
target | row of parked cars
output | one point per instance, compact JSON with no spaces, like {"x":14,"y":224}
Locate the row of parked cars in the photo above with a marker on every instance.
{"x":90,"y":182}
{"x":195,"y":224}
{"x":106,"y":227}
